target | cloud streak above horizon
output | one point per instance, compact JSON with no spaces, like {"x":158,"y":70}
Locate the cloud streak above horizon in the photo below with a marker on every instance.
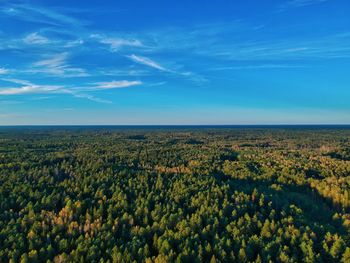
{"x":147,"y":62}
{"x":27,"y":87}
{"x":117,"y":84}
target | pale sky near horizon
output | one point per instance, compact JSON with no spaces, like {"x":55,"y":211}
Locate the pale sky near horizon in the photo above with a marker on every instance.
{"x":175,"y":62}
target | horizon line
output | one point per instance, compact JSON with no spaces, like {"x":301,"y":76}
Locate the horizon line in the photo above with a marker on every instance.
{"x":172,"y":125}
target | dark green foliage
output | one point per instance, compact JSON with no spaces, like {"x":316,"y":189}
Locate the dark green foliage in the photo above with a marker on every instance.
{"x":214,"y":195}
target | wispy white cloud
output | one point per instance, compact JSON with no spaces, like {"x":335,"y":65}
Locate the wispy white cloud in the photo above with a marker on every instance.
{"x":117,"y":84}
{"x":298,"y":3}
{"x":124,"y":72}
{"x":17,"y":81}
{"x":4,"y":71}
{"x":147,"y":62}
{"x":38,"y":42}
{"x":36,"y":39}
{"x":262,"y":66}
{"x":152,"y":64}
{"x":88,"y":97}
{"x":54,"y":61}
{"x":38,"y":14}
{"x":218,"y":41}
{"x":325,"y":47}
{"x":115,"y":43}
{"x":57,"y":65}
{"x":29,"y":88}
{"x":73,"y":43}
{"x":26,"y":87}
{"x":161,"y":83}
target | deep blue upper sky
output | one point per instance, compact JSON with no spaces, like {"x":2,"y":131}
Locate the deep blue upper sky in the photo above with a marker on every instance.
{"x":175,"y":62}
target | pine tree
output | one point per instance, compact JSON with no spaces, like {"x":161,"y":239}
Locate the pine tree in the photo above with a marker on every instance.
{"x":242,"y":255}
{"x":346,"y":256}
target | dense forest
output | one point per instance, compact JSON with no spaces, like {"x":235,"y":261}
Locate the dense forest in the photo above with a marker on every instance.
{"x":174,"y":194}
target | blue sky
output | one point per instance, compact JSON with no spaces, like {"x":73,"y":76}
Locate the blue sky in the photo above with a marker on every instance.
{"x":175,"y":62}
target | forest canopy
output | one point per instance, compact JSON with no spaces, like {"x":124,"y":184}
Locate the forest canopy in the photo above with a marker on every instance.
{"x":174,"y":195}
